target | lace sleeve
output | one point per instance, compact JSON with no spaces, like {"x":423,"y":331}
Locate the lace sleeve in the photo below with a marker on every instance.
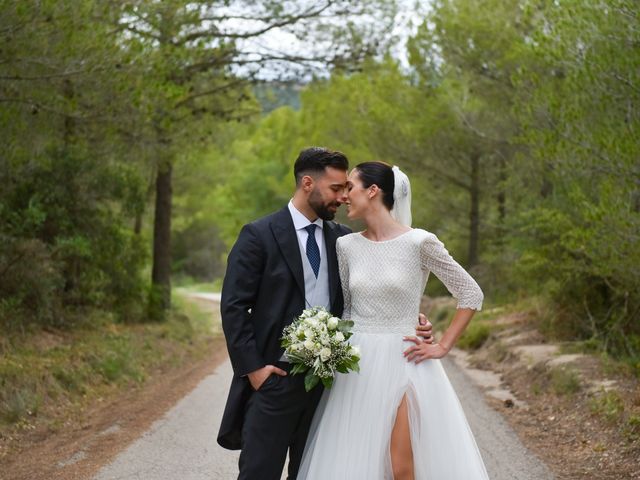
{"x":435,"y":258}
{"x":343,"y":269}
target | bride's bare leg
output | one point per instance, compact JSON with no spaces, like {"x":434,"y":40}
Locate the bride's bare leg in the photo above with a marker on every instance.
{"x":401,"y":453}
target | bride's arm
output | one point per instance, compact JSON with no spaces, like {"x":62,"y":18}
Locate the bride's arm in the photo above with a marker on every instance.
{"x":436,"y":258}
{"x":423,"y":351}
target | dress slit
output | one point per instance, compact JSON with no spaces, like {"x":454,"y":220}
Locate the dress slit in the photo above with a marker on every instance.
{"x":413,"y":417}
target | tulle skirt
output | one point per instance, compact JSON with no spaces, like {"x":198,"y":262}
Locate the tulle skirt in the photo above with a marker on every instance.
{"x":350,"y":434}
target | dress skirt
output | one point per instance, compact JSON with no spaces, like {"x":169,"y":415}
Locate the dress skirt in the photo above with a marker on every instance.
{"x":350,"y":434}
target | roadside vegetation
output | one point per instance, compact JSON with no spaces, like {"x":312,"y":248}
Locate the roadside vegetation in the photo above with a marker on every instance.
{"x":49,"y":377}
{"x":577,"y":407}
{"x":518,"y":124}
{"x":135,"y":148}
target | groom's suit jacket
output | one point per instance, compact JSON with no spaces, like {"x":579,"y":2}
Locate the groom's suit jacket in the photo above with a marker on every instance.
{"x":263,"y":291}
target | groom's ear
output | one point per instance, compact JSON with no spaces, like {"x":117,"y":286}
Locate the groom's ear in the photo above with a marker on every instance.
{"x":307,"y":183}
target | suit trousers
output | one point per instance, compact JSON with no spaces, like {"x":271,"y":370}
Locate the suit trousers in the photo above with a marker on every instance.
{"x":277,"y":419}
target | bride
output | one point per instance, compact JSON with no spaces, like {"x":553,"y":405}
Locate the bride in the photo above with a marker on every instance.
{"x":399,"y":417}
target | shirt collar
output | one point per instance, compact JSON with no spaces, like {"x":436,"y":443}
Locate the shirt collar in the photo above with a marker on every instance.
{"x":299,"y":220}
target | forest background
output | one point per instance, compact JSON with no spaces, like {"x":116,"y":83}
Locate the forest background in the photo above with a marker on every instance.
{"x":138,"y":137}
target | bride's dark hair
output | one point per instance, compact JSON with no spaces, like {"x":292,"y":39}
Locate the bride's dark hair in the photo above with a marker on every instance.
{"x":380,"y":174}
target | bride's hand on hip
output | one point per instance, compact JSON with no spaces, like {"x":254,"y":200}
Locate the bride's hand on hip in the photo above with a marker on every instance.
{"x":423,"y":351}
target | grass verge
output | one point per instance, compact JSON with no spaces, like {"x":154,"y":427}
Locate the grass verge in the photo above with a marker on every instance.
{"x":48,"y":377}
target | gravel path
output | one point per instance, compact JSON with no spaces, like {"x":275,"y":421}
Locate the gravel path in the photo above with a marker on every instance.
{"x":505,"y":457}
{"x":182,"y":444}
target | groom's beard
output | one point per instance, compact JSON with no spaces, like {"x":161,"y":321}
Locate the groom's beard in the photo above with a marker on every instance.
{"x":322,"y":210}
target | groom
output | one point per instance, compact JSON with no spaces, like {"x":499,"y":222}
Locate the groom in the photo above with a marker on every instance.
{"x":280,"y":265}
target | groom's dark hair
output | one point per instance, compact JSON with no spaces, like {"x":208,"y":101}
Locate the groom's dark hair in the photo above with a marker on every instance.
{"x":314,"y":160}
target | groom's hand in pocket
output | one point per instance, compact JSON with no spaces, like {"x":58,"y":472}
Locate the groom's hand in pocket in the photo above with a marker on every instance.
{"x":258,"y":377}
{"x":424,"y":329}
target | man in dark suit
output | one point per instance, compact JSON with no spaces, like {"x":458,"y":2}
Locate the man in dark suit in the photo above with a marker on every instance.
{"x":280,"y":265}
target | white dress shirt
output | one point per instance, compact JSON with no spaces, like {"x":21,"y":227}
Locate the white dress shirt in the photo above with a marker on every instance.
{"x":300,"y":222}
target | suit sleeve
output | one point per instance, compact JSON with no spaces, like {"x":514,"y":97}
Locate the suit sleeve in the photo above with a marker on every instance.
{"x":343,"y":269}
{"x":239,"y":292}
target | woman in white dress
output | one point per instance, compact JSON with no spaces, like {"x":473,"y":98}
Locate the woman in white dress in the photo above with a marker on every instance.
{"x":399,"y":417}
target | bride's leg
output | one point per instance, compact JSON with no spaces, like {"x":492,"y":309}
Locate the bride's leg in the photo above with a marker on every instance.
{"x":401,"y":453}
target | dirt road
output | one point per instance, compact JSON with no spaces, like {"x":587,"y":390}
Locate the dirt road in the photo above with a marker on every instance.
{"x":182,"y":444}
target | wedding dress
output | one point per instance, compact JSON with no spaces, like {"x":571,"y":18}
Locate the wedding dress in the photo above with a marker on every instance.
{"x":383,"y":283}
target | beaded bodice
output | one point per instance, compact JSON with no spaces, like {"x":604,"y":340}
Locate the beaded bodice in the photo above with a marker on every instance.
{"x":383,"y":282}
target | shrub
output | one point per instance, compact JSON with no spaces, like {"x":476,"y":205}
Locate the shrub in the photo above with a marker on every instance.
{"x":474,"y":336}
{"x":30,"y":281}
{"x":631,"y":428}
{"x":565,"y":381}
{"x":608,"y":405}
{"x":65,"y":240}
{"x":17,"y":404}
{"x":117,"y":361}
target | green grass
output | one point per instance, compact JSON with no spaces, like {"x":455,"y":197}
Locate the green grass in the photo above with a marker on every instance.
{"x":477,"y":332}
{"x":608,"y":405}
{"x":45,"y":373}
{"x":631,"y":428}
{"x":439,"y":317}
{"x":620,"y":366}
{"x":475,"y":335}
{"x":500,"y":352}
{"x":19,"y":404}
{"x":558,"y":380}
{"x":565,"y":381}
{"x":194,"y":320}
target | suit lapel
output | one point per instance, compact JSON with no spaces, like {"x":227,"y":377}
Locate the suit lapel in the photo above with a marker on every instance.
{"x":285,"y":234}
{"x":330,"y":238}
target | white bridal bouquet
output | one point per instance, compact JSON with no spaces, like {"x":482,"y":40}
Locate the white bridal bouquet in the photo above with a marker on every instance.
{"x":318,"y":343}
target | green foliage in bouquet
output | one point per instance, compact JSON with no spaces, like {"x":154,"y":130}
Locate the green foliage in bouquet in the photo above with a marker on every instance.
{"x":318,"y":343}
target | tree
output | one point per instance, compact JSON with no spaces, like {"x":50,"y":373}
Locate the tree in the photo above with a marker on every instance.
{"x":198,"y":64}
{"x":71,"y":183}
{"x":582,"y":122}
{"x":467,"y":53}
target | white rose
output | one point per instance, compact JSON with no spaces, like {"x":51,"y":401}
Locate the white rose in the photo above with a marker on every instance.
{"x":354,"y":351}
{"x":325,"y":354}
{"x":309,"y":345}
{"x":308,"y":334}
{"x":332,"y":323}
{"x":339,"y":337}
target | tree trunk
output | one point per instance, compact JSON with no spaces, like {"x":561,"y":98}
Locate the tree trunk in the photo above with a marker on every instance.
{"x":137,"y":224}
{"x":474,"y":214}
{"x":502,"y":196}
{"x":161,"y":272}
{"x":69,"y":128}
{"x":546,"y":189}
